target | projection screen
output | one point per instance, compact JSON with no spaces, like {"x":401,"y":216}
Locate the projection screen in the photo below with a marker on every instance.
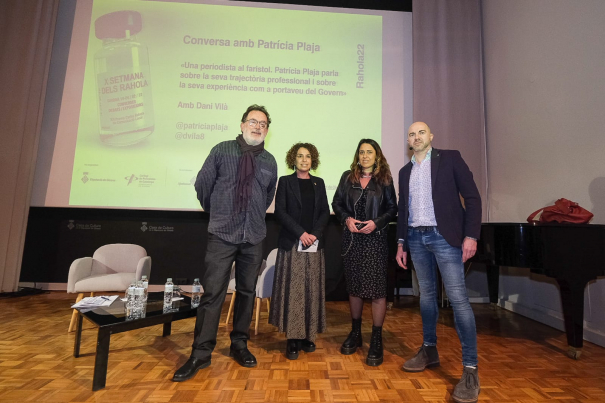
{"x":142,"y":90}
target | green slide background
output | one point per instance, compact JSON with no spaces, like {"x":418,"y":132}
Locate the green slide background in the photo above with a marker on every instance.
{"x":159,"y":171}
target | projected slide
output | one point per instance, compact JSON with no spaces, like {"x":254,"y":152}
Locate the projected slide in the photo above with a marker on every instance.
{"x":152,"y":86}
{"x":158,"y":98}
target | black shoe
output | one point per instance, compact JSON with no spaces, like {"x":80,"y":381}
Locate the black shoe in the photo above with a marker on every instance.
{"x":375,"y":353}
{"x":292,"y":349}
{"x":354,"y":340}
{"x":243,"y":357}
{"x":307,"y":346}
{"x":190,"y":368}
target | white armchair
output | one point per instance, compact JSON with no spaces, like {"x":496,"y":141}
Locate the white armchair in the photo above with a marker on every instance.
{"x":111,"y":268}
{"x":264,"y":286}
{"x":231,"y":287}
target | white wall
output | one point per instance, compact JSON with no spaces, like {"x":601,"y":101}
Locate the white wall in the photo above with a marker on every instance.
{"x":545,"y":117}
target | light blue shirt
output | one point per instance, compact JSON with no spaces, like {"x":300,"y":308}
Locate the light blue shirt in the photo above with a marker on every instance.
{"x":422,"y":211}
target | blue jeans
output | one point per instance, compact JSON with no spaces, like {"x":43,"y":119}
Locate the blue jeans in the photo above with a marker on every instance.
{"x":428,"y":248}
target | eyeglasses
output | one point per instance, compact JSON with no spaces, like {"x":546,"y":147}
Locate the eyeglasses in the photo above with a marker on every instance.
{"x":254,"y":122}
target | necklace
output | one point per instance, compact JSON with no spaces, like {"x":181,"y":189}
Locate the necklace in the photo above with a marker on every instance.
{"x":366,"y":176}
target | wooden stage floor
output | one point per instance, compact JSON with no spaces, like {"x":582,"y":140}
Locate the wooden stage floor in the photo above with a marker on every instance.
{"x":519,"y":361}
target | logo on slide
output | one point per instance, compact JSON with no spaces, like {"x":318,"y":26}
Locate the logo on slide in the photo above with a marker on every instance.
{"x":71,"y":225}
{"x":131,"y":179}
{"x":144,"y":227}
{"x":85,"y":177}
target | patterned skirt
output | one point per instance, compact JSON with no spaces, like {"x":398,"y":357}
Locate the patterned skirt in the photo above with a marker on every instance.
{"x":365,"y":259}
{"x":298,"y":301}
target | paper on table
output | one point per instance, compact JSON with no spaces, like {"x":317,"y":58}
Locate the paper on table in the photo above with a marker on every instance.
{"x":94,"y":302}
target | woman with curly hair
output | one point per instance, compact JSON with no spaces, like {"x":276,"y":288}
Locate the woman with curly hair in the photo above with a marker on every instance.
{"x":365,"y":203}
{"x":301,"y":206}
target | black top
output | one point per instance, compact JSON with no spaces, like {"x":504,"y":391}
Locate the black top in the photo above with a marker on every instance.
{"x":381,"y":206}
{"x":307,"y":195}
{"x":289,"y":210}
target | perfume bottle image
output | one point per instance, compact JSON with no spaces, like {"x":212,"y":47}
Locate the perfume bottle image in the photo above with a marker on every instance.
{"x":125,"y":102}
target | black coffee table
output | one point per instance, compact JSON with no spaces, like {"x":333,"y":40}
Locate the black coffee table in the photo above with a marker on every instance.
{"x":112,"y":319}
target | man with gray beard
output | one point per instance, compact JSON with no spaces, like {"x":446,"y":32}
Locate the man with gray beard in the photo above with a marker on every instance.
{"x":236,"y":185}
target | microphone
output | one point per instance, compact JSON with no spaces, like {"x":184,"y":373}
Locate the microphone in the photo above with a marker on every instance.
{"x":411,"y":148}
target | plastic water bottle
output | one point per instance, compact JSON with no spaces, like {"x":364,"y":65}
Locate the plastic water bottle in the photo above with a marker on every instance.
{"x":168,"y":292}
{"x":196,"y":293}
{"x":139,"y":299}
{"x":130,"y":301}
{"x":145,"y":282}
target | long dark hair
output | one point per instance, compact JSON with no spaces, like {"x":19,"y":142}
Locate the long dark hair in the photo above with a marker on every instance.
{"x":381,"y":172}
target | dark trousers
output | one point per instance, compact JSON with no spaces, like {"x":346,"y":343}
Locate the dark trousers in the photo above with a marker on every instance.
{"x":220,"y":256}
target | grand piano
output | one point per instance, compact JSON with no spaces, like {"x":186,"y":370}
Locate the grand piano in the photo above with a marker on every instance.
{"x":572,"y":254}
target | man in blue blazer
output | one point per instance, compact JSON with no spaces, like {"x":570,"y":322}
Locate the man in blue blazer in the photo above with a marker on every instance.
{"x":438,"y":231}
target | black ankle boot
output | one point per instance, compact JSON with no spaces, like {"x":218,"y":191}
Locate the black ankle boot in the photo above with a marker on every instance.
{"x":307,"y":346}
{"x":292,"y":347}
{"x":354,"y":340}
{"x":375,"y":353}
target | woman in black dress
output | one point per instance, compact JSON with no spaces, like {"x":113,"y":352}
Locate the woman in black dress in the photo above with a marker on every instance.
{"x":301,"y":206}
{"x":365,"y":203}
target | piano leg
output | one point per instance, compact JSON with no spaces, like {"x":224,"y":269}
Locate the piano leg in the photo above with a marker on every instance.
{"x":493,"y":282}
{"x":572,"y":299}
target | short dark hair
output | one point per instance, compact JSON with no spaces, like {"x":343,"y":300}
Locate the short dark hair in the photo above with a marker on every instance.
{"x":291,"y":155}
{"x":255,"y":107}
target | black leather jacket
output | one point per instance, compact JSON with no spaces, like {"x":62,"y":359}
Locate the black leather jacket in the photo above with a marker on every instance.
{"x":381,"y":206}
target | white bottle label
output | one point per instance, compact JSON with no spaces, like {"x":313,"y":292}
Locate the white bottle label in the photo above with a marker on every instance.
{"x":168,"y":288}
{"x":125,"y":101}
{"x":197,"y":288}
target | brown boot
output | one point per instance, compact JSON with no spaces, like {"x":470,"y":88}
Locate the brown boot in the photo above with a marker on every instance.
{"x":426,"y":357}
{"x":467,"y":390}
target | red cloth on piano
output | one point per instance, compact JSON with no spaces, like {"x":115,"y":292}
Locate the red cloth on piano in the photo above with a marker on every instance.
{"x":563,"y":211}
